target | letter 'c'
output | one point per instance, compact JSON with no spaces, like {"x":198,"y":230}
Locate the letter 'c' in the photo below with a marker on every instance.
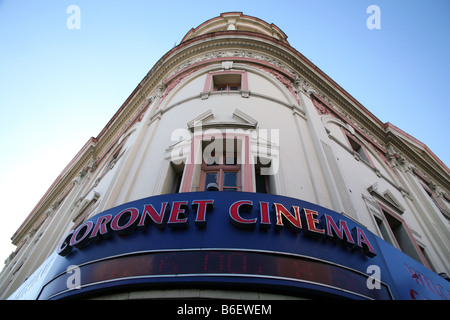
{"x":235,"y":216}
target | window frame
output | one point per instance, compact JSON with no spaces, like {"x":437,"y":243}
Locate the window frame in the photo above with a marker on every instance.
{"x":211,"y":86}
{"x":221,"y":168}
{"x":227,"y":87}
{"x":385,"y":215}
{"x":265,"y":179}
{"x":361,"y":150}
{"x":193,"y":172}
{"x":177,"y":182}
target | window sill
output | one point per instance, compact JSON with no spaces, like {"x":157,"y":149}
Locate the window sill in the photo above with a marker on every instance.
{"x":244,"y":93}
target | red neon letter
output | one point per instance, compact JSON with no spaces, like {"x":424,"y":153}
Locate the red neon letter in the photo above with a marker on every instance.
{"x":154,"y":216}
{"x":79,"y":242}
{"x":311,"y":223}
{"x":102,"y":225}
{"x":281,"y":211}
{"x":364,"y":243}
{"x":130,"y":217}
{"x":333,"y":229}
{"x":265,"y":218}
{"x":202,"y":206}
{"x":174,"y":219}
{"x":235,"y":217}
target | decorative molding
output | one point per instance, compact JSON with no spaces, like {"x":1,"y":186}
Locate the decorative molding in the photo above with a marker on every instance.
{"x":387,"y":198}
{"x":302,"y":85}
{"x":205,"y":95}
{"x":227,"y":65}
{"x":244,"y":118}
{"x":245,"y":93}
{"x":204,"y":117}
{"x":204,"y":121}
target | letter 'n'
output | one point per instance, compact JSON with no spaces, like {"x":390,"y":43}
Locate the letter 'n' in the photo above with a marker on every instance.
{"x":157,"y":218}
{"x":283,"y":214}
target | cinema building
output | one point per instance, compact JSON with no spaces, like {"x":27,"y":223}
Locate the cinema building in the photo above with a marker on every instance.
{"x":239,"y":169}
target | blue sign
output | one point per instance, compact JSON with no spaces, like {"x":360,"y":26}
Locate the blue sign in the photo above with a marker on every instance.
{"x":242,"y":239}
{"x":412,"y":280}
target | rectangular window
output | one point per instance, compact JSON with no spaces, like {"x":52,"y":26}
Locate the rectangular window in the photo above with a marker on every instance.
{"x":262,"y":185}
{"x":382,"y":226}
{"x":424,"y":253}
{"x":173,"y":178}
{"x":230,"y":182}
{"x":222,"y":168}
{"x":228,"y":87}
{"x":227,"y":82}
{"x":177,"y":183}
{"x":262,"y":181}
{"x":395,"y":232}
{"x":359,"y":149}
{"x":210,"y":177}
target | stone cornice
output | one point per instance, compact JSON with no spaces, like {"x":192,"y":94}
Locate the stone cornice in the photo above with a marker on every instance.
{"x":424,"y":162}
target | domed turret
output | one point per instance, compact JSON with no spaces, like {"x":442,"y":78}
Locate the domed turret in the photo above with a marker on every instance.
{"x":237,"y":21}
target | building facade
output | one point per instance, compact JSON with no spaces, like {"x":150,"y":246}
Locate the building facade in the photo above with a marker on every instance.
{"x":239,"y":169}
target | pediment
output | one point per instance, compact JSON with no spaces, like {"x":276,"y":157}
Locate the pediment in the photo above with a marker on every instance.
{"x":386,"y":198}
{"x":209,"y":120}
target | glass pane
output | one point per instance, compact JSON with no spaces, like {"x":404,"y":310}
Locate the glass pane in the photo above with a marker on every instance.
{"x":230,"y":179}
{"x":230,"y":160}
{"x":210,"y":177}
{"x":177,"y":183}
{"x":260,"y":183}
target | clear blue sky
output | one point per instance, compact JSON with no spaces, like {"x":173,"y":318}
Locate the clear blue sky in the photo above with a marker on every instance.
{"x":59,"y":87}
